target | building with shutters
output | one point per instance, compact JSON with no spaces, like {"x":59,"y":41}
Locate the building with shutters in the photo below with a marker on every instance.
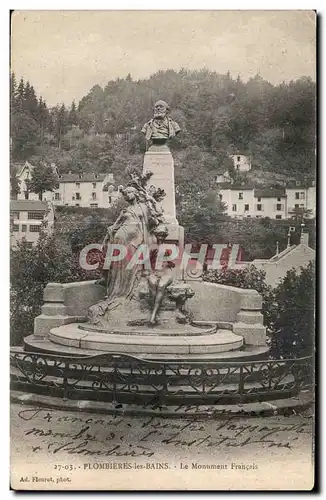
{"x":241,"y":163}
{"x":27,"y":217}
{"x":245,"y":200}
{"x":80,"y":190}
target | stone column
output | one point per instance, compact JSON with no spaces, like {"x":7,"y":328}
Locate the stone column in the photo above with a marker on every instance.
{"x":158,"y":160}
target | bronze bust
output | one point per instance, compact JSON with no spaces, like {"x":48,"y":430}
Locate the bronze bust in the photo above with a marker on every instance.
{"x":161,"y":127}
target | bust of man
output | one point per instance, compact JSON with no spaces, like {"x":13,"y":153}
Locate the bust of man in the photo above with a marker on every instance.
{"x":160,"y":128}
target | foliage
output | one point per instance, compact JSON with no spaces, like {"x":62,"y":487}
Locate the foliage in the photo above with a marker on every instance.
{"x":292,"y":322}
{"x":220,"y":115}
{"x":288,"y":309}
{"x":51,"y":260}
{"x":43,"y":179}
{"x":14,"y":184}
{"x":55,"y":258}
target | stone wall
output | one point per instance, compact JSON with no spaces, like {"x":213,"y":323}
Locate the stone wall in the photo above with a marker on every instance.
{"x":68,"y":303}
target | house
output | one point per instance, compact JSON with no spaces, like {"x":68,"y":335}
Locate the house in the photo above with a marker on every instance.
{"x":293,"y":257}
{"x":27,"y":217}
{"x":301,"y":194}
{"x":86,"y":190}
{"x":244,"y":200}
{"x":270,"y":202}
{"x":25,"y":174}
{"x":80,"y":190}
{"x":239,"y":199}
{"x":241,"y":163}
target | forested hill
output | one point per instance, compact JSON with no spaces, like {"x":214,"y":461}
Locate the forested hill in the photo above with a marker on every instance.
{"x":218,"y":115}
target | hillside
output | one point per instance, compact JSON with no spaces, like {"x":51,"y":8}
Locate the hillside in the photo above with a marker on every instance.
{"x":218,"y":116}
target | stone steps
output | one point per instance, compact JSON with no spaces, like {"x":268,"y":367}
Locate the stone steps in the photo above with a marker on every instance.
{"x":245,"y":353}
{"x":288,"y":406}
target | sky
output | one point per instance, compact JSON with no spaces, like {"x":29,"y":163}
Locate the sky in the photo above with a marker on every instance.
{"x":65,"y":53}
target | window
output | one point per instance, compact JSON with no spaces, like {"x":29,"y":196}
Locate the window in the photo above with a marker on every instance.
{"x":77,"y":185}
{"x":94,"y":205}
{"x":246,"y":207}
{"x":110,"y":199}
{"x":302,"y":195}
{"x":234,"y":208}
{"x":35,"y":215}
{"x":259,"y":207}
{"x":15,"y":228}
{"x":296,"y":205}
{"x":248,"y":216}
{"x":34,"y":229}
{"x":93,"y":196}
{"x":278,"y":217}
{"x":258,"y":216}
{"x":57,"y":196}
{"x":297,"y":194}
{"x":240,"y":196}
{"x":278,"y":206}
{"x":238,"y":166}
{"x":238,"y":158}
{"x":94,"y":185}
{"x":220,"y":197}
{"x":258,"y":199}
{"x":278,"y":199}
{"x":77,"y":205}
{"x":297,"y":183}
{"x":24,"y":228}
{"x":26,"y":195}
{"x":301,"y":205}
{"x":78,"y":197}
{"x":14,"y":215}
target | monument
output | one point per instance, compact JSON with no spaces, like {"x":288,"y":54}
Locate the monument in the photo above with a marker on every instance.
{"x":142,"y":308}
{"x":158,"y":160}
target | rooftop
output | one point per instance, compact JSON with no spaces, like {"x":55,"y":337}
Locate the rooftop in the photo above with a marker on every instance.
{"x":28,"y":206}
{"x":87,"y":177}
{"x":270,"y":193}
{"x":242,"y":186}
{"x":292,"y":184}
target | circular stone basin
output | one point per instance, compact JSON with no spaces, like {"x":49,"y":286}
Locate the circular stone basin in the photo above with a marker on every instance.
{"x":135,"y":342}
{"x":153,"y":330}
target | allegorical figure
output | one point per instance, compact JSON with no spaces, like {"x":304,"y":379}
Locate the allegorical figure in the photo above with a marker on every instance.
{"x":141,"y":222}
{"x":161,"y":127}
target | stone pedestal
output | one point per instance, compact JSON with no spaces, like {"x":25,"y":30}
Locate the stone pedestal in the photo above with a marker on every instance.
{"x":158,"y":160}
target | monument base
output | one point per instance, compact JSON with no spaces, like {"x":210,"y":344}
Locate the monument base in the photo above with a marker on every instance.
{"x":140,"y":343}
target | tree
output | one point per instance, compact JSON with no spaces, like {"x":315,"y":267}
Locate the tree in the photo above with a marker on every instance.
{"x":300,"y":213}
{"x":13,"y":91}
{"x":43,"y":118}
{"x":24,"y":135}
{"x":54,"y":258}
{"x":43,"y":179}
{"x":288,"y":309}
{"x":14,"y":184}
{"x":72,"y":117}
{"x":31,"y":269}
{"x":20,"y":93}
{"x":292,"y":322}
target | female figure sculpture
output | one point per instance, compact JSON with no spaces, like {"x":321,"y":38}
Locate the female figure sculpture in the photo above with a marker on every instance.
{"x":135,"y":226}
